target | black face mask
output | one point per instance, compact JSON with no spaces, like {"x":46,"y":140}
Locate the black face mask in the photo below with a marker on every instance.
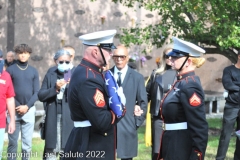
{"x":1,"y":66}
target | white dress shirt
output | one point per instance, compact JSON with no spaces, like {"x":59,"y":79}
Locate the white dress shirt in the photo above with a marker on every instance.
{"x":123,"y":71}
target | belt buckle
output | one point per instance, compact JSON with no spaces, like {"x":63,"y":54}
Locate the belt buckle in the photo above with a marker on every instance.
{"x":163,"y":126}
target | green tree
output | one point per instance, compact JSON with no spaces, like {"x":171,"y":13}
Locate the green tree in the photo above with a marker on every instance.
{"x":213,"y":24}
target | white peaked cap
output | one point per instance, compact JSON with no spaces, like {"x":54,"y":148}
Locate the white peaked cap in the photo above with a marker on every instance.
{"x":95,"y":38}
{"x":187,"y":47}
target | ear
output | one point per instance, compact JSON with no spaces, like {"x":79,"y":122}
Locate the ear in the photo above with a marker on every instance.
{"x":189,"y":61}
{"x":94,"y":53}
{"x":127,"y":58}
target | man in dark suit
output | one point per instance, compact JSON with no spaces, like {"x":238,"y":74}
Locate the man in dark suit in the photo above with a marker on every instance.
{"x":132,"y":83}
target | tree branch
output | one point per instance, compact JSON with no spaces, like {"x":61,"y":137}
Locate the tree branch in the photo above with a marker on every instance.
{"x":228,"y":53}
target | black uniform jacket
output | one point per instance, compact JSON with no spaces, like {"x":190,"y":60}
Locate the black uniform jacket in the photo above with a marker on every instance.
{"x":185,"y":103}
{"x":88,"y":100}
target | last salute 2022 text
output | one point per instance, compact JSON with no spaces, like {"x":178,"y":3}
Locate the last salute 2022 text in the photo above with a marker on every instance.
{"x":88,"y":154}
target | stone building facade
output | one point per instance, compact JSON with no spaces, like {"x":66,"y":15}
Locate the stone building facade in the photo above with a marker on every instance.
{"x":47,"y":25}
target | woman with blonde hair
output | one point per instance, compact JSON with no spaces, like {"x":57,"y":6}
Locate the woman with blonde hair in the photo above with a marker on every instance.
{"x":182,"y":109}
{"x":159,"y":83}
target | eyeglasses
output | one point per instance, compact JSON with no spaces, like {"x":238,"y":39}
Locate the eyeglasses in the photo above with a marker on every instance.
{"x":61,"y":62}
{"x":122,"y":57}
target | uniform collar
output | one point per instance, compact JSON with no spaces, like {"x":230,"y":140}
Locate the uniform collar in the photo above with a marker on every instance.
{"x":91,"y":65}
{"x":184,"y":75}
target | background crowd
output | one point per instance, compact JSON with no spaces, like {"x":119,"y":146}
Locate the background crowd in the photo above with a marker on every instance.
{"x":173,"y":84}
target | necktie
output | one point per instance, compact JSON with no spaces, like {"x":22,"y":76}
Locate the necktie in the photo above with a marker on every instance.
{"x":119,"y":81}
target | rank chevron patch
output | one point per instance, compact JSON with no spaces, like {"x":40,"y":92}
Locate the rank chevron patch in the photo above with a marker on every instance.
{"x":195,"y":100}
{"x":99,"y":98}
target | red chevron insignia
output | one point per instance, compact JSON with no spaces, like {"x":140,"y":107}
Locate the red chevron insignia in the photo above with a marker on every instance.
{"x":99,"y":98}
{"x":195,"y":100}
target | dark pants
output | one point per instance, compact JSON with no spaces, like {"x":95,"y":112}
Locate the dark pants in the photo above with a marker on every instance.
{"x":156,"y":136}
{"x":237,"y":150}
{"x":52,"y":154}
{"x":230,"y":116}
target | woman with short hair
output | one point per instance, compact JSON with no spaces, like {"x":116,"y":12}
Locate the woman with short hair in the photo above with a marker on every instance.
{"x":58,"y":122}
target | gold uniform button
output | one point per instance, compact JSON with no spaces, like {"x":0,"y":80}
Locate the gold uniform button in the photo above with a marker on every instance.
{"x":105,"y":134}
{"x":90,"y":69}
{"x":198,"y":154}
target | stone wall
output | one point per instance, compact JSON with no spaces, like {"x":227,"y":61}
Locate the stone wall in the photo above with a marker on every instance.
{"x":47,"y":25}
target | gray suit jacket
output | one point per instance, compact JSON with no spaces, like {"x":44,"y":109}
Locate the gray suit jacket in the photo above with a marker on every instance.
{"x":135,"y":93}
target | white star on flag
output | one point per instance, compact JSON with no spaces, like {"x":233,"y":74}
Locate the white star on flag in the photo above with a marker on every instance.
{"x":106,"y":80}
{"x":120,"y":106}
{"x":110,"y":100}
{"x":115,"y":89}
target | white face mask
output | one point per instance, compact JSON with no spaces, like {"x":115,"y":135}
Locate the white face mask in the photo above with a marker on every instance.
{"x":71,"y":65}
{"x":63,"y":67}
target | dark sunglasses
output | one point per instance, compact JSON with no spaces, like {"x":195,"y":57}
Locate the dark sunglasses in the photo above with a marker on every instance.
{"x":61,"y":62}
{"x":121,"y":57}
{"x":166,"y":56}
{"x":174,"y":58}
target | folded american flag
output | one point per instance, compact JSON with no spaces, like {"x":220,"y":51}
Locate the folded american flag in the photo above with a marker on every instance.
{"x":114,"y":99}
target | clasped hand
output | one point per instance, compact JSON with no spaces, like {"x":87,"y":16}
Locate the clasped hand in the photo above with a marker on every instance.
{"x":22,"y":109}
{"x":138,"y":111}
{"x":61,"y":83}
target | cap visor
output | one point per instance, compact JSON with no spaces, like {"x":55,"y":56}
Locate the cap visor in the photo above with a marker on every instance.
{"x":113,"y":47}
{"x":174,"y":54}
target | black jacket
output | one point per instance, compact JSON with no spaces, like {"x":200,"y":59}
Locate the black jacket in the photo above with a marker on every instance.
{"x":48,"y":95}
{"x":157,"y":86}
{"x":231,"y":82}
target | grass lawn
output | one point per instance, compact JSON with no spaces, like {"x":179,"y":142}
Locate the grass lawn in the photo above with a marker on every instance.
{"x":144,"y":153}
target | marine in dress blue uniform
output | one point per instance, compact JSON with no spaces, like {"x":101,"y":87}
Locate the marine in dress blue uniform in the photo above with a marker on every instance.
{"x":93,"y":136}
{"x":183,"y":111}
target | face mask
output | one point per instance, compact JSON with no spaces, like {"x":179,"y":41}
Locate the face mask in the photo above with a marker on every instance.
{"x":63,"y":67}
{"x":70,"y":65}
{"x":1,"y":66}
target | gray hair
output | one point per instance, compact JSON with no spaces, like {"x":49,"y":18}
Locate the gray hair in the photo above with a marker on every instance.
{"x":59,"y":53}
{"x":13,"y":53}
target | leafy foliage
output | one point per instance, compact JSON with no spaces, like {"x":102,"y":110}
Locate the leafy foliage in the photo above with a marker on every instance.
{"x":214,"y":24}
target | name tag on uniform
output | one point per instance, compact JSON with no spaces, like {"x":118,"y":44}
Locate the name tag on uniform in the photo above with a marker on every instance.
{"x":2,"y":81}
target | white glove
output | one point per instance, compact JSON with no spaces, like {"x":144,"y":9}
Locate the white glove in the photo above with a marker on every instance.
{"x":121,"y":95}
